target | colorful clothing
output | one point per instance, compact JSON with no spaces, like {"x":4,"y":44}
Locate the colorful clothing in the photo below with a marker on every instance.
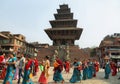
{"x":90,"y":70}
{"x":113,"y":69}
{"x":3,"y":71}
{"x":10,"y":72}
{"x":76,"y":73}
{"x":57,"y":77}
{"x":41,"y":67}
{"x":1,"y":58}
{"x":3,"y":68}
{"x":17,"y":70}
{"x":21,"y":68}
{"x":47,"y":66}
{"x":26,"y":78}
{"x":85,"y":71}
{"x":95,"y":69}
{"x":107,"y":70}
{"x":35,"y":66}
{"x":16,"y":73}
{"x":55,"y":64}
{"x":15,"y":59}
{"x":43,"y":78}
{"x":44,"y":75}
{"x":97,"y":66}
{"x":67,"y":69}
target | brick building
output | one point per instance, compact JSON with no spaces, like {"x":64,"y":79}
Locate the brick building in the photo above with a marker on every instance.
{"x":110,"y":46}
{"x":15,"y":43}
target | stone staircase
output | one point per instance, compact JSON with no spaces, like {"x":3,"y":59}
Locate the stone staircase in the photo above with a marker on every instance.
{"x":74,"y":52}
{"x":42,"y":52}
{"x":62,"y":53}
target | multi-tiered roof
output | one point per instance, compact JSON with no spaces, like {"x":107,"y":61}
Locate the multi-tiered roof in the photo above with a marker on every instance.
{"x":64,"y":29}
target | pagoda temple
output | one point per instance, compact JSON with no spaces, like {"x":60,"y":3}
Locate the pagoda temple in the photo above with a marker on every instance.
{"x":64,"y":29}
{"x":64,"y":33}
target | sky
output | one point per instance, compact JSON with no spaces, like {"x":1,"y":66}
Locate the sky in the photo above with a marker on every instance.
{"x":98,"y":18}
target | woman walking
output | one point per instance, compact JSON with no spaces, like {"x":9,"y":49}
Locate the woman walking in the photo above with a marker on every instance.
{"x":57,"y":77}
{"x":35,"y":66}
{"x":26,"y":78}
{"x":113,"y":68}
{"x":4,"y":67}
{"x":67,"y":63}
{"x":16,"y":76}
{"x":43,"y":79}
{"x":90,"y":68}
{"x":107,"y":67}
{"x":85,"y":70}
{"x":76,"y":72}
{"x":10,"y":70}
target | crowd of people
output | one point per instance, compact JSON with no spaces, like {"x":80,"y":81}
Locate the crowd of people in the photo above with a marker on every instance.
{"x":87,"y":69}
{"x":81,"y":70}
{"x":15,"y":66}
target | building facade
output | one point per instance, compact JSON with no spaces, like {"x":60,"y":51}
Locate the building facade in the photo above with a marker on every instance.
{"x":15,"y":43}
{"x":110,"y":46}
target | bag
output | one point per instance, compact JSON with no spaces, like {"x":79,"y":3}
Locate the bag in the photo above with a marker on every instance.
{"x":56,"y":64}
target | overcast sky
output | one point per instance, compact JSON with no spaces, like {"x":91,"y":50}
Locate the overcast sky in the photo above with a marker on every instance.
{"x":98,"y":18}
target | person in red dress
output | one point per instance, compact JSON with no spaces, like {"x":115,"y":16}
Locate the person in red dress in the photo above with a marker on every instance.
{"x":67,"y":64}
{"x":114,"y":68}
{"x":43,"y":79}
{"x":2,"y":57}
{"x":94,"y":68}
{"x":2,"y":66}
{"x":97,"y":66}
{"x":27,"y":71}
{"x":57,"y":76}
{"x":35,"y":66}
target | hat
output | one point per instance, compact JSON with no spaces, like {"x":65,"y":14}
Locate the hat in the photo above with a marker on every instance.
{"x":106,"y":58}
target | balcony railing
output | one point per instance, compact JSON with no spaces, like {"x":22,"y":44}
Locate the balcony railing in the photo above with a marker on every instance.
{"x":114,"y":49}
{"x":115,"y":56}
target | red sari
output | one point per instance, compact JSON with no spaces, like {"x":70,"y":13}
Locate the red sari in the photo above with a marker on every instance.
{"x":27,"y":76}
{"x":114,"y":69}
{"x":2,"y":68}
{"x":3,"y":72}
{"x":1,"y":58}
{"x":29,"y":63}
{"x":36,"y":66}
{"x":97,"y":66}
{"x":43,"y":78}
{"x":67,"y":67}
